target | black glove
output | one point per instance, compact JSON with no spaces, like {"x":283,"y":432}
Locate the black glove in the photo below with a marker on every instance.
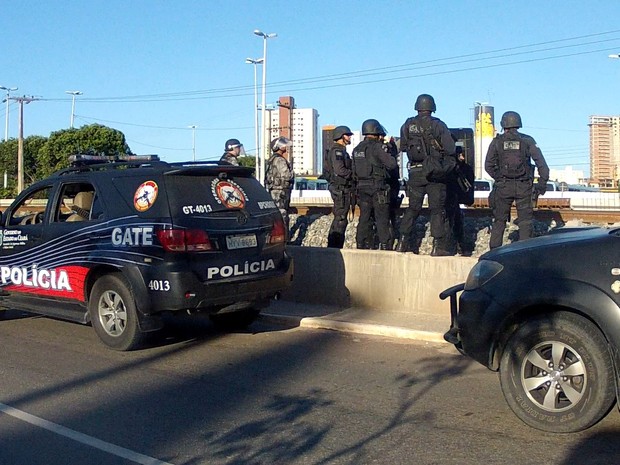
{"x":541,"y":187}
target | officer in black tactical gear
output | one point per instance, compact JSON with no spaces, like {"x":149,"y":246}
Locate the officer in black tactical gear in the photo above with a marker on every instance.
{"x":460,"y":191}
{"x":396,"y":198}
{"x":232,"y":150}
{"x":430,"y":149}
{"x":339,"y":175}
{"x":371,"y":165}
{"x":508,"y":163}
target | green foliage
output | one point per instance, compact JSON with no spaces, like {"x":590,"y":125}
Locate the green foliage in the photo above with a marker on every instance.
{"x":43,"y":156}
{"x":247,"y":161}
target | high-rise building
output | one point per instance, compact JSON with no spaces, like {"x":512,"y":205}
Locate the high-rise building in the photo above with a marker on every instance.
{"x":605,"y":150}
{"x":300,"y":125}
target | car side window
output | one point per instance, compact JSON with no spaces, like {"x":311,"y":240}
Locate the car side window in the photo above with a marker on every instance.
{"x":76,"y":203}
{"x":31,"y":210}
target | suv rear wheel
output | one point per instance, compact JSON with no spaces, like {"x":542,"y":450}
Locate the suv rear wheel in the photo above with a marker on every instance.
{"x":113,"y":313}
{"x":556,"y":373}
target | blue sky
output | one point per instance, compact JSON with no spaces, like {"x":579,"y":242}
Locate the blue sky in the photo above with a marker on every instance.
{"x":153,"y":68}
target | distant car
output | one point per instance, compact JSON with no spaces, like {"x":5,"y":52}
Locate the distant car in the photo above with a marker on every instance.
{"x":119,"y":242}
{"x":545,"y":313}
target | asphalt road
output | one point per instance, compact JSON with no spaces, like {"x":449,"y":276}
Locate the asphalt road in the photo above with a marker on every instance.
{"x":272,"y":395}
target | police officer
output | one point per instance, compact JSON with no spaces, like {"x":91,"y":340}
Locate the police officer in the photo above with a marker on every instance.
{"x":232,"y":150}
{"x":460,"y":191}
{"x":430,"y":149}
{"x":371,"y":164}
{"x":396,"y":198}
{"x":279,"y":177}
{"x":508,"y":163}
{"x":338,"y":172}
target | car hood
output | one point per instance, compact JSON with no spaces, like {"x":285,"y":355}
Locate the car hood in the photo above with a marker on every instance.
{"x":561,"y":240}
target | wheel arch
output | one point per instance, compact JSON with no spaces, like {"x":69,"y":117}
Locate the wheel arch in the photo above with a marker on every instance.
{"x":137,"y":287}
{"x":581,"y":299}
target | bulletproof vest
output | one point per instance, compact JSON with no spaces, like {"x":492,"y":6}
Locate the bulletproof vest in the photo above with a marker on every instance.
{"x":334,"y":153}
{"x":327,"y":167}
{"x":419,"y":135}
{"x":513,"y":158}
{"x":269,"y":173}
{"x":362,"y":161}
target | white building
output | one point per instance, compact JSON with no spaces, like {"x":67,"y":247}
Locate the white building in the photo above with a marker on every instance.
{"x":304,"y":134}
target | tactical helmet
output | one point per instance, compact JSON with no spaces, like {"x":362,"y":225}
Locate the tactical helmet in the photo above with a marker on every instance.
{"x":511,"y":119}
{"x":425,"y":102}
{"x":280,"y":143}
{"x":373,"y":127}
{"x":340,"y":131}
{"x":231,"y":144}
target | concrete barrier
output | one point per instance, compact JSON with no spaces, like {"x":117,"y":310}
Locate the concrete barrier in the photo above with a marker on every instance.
{"x":374,"y":279}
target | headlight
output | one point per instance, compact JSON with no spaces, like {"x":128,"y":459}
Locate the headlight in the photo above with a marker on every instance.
{"x":481,"y":273}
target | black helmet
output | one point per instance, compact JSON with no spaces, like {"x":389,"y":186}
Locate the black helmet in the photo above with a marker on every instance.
{"x":373,"y":127}
{"x":425,"y":102}
{"x":511,"y":119}
{"x":231,"y":144}
{"x":340,"y":131}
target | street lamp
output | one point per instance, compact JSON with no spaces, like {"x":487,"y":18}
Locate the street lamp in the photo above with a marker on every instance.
{"x":6,"y":124}
{"x":193,"y":128}
{"x":255,"y":62}
{"x":264,"y":142}
{"x":73,"y":93}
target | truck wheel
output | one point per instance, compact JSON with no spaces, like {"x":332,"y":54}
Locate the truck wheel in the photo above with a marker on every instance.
{"x":231,"y":321}
{"x":113,"y":313}
{"x":556,"y":373}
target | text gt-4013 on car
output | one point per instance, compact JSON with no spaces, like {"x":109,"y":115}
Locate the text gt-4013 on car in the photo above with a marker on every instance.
{"x":119,"y":242}
{"x":545,"y":313}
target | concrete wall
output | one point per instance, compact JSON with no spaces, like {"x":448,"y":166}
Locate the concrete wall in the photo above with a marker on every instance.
{"x":374,"y":279}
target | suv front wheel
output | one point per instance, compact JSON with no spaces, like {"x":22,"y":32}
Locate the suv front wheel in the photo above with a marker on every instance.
{"x":113,"y":313}
{"x":556,"y":373}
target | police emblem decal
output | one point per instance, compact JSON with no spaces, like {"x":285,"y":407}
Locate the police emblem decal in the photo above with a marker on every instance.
{"x":145,"y":196}
{"x":228,"y":193}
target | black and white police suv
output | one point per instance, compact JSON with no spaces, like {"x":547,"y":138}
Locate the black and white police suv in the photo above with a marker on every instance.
{"x":119,"y":242}
{"x":545,"y":313}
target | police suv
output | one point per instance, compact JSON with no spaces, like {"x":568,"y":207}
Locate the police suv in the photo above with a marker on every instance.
{"x":118,"y":242}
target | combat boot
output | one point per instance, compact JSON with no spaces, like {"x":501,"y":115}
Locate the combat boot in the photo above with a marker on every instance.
{"x":403,"y":244}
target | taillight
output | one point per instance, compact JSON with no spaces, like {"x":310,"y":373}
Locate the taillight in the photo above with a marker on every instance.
{"x":278,"y":233}
{"x":184,"y":240}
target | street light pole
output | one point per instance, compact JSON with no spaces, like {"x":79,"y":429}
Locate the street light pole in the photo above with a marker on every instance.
{"x":264,"y":138}
{"x":193,"y":128}
{"x":256,"y":62}
{"x":73,"y":93}
{"x":6,"y":124}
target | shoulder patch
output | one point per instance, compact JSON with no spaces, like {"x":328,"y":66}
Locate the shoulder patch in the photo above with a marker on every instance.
{"x":339,"y":154}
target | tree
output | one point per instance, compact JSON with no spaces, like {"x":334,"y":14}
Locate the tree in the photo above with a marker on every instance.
{"x":94,"y":138}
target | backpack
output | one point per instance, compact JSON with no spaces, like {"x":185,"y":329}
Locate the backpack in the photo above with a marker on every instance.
{"x":419,"y":138}
{"x":513,"y":159}
{"x":269,"y":177}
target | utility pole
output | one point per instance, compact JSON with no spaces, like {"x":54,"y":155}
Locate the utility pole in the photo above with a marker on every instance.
{"x":20,"y":141}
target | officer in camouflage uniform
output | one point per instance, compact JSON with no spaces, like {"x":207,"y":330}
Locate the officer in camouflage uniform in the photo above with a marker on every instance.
{"x":279,"y":177}
{"x":508,"y":162}
{"x":340,"y":178}
{"x":426,"y":138}
{"x":232,"y":150}
{"x":371,"y":165}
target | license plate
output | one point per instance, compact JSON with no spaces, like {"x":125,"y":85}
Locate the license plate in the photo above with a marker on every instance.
{"x":241,"y":241}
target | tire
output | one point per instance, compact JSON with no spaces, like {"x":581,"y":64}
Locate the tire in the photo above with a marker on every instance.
{"x":231,"y":321}
{"x":557,"y":375}
{"x":113,"y":313}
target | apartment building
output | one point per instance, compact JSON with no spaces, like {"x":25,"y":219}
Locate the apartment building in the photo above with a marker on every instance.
{"x":604,"y":150}
{"x":300,"y":125}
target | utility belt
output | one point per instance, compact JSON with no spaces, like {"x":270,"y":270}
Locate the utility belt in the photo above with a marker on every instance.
{"x":340,"y":182}
{"x":377,"y":183}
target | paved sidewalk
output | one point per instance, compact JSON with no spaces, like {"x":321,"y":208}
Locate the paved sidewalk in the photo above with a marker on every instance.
{"x":422,"y":326}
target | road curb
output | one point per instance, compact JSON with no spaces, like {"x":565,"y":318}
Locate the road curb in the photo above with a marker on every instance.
{"x":358,"y":328}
